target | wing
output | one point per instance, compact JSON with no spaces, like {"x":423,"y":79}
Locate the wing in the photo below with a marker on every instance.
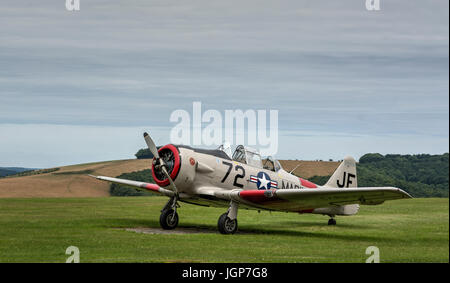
{"x":136,"y":185}
{"x":304,"y":199}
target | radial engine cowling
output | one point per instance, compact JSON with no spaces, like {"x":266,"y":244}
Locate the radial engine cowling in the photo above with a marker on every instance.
{"x":178,"y":166}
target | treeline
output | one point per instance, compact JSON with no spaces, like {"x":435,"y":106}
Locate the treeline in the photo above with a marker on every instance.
{"x":6,"y":172}
{"x":20,"y":172}
{"x":144,"y":153}
{"x":123,"y":190}
{"x":421,"y":175}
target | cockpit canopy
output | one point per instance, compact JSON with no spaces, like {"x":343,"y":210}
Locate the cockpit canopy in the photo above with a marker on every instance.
{"x":252,"y":157}
{"x":271,"y":164}
{"x":248,"y":156}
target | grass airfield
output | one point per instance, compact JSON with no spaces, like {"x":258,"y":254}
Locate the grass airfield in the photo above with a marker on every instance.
{"x":40,"y":230}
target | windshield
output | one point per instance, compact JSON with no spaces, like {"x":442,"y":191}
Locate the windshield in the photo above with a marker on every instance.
{"x":225,"y":147}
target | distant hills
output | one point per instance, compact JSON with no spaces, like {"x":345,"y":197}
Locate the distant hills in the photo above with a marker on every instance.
{"x":67,"y":181}
{"x":420,"y":175}
{"x":6,"y":171}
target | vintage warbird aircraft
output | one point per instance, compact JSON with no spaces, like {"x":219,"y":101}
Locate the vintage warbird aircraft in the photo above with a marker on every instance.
{"x":216,"y":178}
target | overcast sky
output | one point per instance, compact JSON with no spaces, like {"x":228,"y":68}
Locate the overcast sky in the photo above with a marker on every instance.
{"x":83,"y":86}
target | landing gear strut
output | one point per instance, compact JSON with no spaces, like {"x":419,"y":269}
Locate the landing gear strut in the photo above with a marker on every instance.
{"x":169,"y":216}
{"x":227,"y":223}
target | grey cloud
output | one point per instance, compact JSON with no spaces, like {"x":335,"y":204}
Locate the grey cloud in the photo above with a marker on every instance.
{"x":327,"y":66}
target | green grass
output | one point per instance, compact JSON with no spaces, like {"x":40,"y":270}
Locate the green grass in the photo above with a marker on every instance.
{"x":40,"y":230}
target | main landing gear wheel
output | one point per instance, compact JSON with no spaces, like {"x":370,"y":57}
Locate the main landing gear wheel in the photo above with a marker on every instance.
{"x":168,"y":219}
{"x":332,"y":221}
{"x":226,"y":225}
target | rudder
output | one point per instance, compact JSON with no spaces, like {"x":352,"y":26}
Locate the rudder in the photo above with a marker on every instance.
{"x":345,"y":175}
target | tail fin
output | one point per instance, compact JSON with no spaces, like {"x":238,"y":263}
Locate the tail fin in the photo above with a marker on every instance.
{"x":345,"y":175}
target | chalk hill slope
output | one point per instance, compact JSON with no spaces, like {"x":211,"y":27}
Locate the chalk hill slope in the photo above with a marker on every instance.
{"x":72,"y":181}
{"x":68,"y":181}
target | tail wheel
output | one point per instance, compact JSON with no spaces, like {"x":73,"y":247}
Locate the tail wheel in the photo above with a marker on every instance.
{"x":331,"y":221}
{"x":168,"y":219}
{"x":226,"y":225}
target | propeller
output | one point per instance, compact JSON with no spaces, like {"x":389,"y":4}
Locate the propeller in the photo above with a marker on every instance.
{"x":152,"y":147}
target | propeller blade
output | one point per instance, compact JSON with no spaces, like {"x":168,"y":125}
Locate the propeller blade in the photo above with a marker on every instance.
{"x":172,"y":184}
{"x":151,"y":145}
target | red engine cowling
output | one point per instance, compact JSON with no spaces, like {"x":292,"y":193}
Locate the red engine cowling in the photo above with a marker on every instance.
{"x":170,"y":154}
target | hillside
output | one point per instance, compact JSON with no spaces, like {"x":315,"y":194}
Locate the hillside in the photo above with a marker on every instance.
{"x":420,"y":175}
{"x":68,"y":181}
{"x":308,"y":169}
{"x":72,"y":181}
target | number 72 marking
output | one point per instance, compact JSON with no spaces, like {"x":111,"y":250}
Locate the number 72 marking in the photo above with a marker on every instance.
{"x":238,"y":176}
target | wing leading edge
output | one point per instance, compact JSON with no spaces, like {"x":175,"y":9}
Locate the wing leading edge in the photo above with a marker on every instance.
{"x":135,"y":184}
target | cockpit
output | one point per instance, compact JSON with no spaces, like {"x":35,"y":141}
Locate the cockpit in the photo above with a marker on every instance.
{"x":271,"y":164}
{"x":252,"y":157}
{"x":248,"y":156}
